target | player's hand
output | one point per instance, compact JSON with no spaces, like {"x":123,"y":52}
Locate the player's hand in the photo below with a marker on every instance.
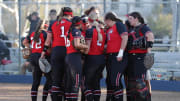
{"x":119,"y":58}
{"x":42,"y":55}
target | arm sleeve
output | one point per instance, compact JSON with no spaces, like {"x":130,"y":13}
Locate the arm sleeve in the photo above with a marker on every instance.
{"x":76,"y":34}
{"x":121,"y":28}
{"x":50,"y":26}
{"x":89,"y":33}
{"x":145,"y":29}
{"x":44,"y":34}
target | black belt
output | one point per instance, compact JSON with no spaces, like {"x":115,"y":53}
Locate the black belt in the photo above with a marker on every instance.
{"x":113,"y":54}
{"x":136,"y":53}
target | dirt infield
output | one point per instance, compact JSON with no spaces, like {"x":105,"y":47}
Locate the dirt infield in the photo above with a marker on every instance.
{"x":21,"y":92}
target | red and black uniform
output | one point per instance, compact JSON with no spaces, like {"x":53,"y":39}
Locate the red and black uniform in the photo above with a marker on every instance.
{"x":73,"y":67}
{"x":136,"y":70}
{"x":115,"y":69}
{"x":37,"y":48}
{"x":58,"y":30}
{"x":94,"y":65}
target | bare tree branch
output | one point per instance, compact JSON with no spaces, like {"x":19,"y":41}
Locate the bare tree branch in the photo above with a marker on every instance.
{"x":7,"y":8}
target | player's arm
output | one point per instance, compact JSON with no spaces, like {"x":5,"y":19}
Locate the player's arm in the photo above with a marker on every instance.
{"x":26,"y":42}
{"x":47,"y":44}
{"x":150,"y":40}
{"x":149,"y":36}
{"x":124,"y":35}
{"x":89,"y":34}
{"x":79,"y":45}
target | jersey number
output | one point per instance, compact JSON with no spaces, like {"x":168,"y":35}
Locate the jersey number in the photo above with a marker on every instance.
{"x":67,"y":42}
{"x":98,"y":43}
{"x":62,"y":30}
{"x":37,"y":45}
{"x":63,"y":35}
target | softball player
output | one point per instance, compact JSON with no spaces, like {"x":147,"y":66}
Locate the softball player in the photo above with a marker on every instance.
{"x":137,"y":89}
{"x":36,"y":41}
{"x":117,"y":37}
{"x":56,"y":34}
{"x":94,"y":61}
{"x":73,"y":59}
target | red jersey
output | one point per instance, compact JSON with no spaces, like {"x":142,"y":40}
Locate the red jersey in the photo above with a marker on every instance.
{"x":96,"y":48}
{"x":59,"y":31}
{"x":135,"y":34}
{"x":70,"y":38}
{"x":37,"y":47}
{"x":114,"y":37}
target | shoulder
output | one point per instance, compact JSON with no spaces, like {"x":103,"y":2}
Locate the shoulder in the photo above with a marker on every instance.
{"x":119,"y":24}
{"x":44,"y":34}
{"x":145,"y":28}
{"x":76,"y":32}
{"x":121,"y":28}
{"x":89,"y":33}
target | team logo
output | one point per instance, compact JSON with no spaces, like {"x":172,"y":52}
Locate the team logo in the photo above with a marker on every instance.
{"x":77,"y":33}
{"x":110,"y":32}
{"x":62,"y":22}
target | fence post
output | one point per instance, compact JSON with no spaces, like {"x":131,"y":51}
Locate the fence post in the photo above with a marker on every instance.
{"x":104,"y":6}
{"x":19,"y":53}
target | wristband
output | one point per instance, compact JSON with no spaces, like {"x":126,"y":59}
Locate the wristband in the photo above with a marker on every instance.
{"x":120,"y":54}
{"x":149,"y":44}
{"x":45,"y":48}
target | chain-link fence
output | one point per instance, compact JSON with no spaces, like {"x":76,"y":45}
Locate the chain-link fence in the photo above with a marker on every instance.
{"x":162,"y":16}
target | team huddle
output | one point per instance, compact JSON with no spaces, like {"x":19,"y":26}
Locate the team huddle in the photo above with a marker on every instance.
{"x":80,"y":48}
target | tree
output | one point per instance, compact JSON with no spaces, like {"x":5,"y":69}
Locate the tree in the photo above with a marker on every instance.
{"x":161,"y":24}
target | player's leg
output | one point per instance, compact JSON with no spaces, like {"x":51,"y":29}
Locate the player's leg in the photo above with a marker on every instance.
{"x":73,"y":76}
{"x":58,"y":65}
{"x":37,"y":74}
{"x":136,"y":83}
{"x":47,"y":86}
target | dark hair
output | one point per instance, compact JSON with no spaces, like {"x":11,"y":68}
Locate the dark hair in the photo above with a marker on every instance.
{"x":38,"y":31}
{"x":84,"y":18}
{"x":128,"y":25}
{"x":61,"y":14}
{"x":138,"y":16}
{"x":35,"y":14}
{"x":89,"y":10}
{"x":112,"y":16}
{"x":53,"y":11}
{"x":74,"y":20}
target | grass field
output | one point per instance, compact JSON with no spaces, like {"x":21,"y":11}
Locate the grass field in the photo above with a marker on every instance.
{"x":21,"y":92}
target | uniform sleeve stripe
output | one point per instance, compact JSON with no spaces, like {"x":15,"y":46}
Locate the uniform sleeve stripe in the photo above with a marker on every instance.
{"x":148,"y":32}
{"x":49,"y":31}
{"x":124,"y":33}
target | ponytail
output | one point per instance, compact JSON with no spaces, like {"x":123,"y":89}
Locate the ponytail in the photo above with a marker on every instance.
{"x":87,"y":12}
{"x":112,"y":16}
{"x":64,"y":12}
{"x":38,"y":31}
{"x":59,"y":17}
